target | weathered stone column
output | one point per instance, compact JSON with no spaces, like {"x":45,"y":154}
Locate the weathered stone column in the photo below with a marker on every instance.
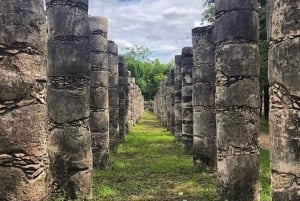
{"x":130,"y":100}
{"x":237,"y":100}
{"x":164,"y":103}
{"x":177,"y":98}
{"x":122,"y":98}
{"x":168,"y":101}
{"x":186,"y":99}
{"x":68,"y":97}
{"x":284,"y":68}
{"x":99,"y":112}
{"x":136,"y":104}
{"x":172,"y":100}
{"x":160,"y":102}
{"x":113,"y":96}
{"x":24,"y":170}
{"x":204,"y":111}
{"x":127,"y":100}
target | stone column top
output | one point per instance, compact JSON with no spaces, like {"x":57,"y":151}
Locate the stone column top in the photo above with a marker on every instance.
{"x":178,"y":59}
{"x":84,"y":3}
{"x":229,"y":5}
{"x":187,"y":51}
{"x":112,"y":48}
{"x":204,"y":29}
{"x":98,"y":25}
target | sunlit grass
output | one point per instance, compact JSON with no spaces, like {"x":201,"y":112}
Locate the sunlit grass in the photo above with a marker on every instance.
{"x":264,"y":125}
{"x":150,"y":165}
{"x":265,"y":176}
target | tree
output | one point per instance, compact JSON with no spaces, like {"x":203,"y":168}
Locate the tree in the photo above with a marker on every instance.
{"x":148,"y":74}
{"x":209,"y":12}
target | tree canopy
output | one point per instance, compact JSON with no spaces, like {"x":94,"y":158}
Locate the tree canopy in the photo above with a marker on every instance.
{"x":148,"y":73}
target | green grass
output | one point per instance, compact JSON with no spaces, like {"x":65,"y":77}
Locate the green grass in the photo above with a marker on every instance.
{"x":150,"y":165}
{"x":264,"y":126}
{"x":265,"y":175}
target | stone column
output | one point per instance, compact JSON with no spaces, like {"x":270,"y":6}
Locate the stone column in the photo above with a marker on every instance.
{"x":130,"y":100}
{"x":284,"y":68}
{"x":24,"y":170}
{"x":204,"y":114}
{"x":186,"y":99}
{"x":237,"y":100}
{"x":160,"y":102}
{"x":164,"y":103}
{"x":99,"y":112}
{"x":68,"y":97}
{"x":177,"y":98}
{"x":113,"y":96}
{"x":135,"y":103}
{"x":172,"y":100}
{"x":122,"y":98}
{"x":168,"y":101}
{"x":127,"y":99}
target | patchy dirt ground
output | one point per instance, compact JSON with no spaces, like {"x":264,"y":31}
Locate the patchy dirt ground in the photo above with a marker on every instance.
{"x":264,"y":141}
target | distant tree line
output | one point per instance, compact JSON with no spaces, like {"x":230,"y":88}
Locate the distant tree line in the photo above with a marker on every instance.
{"x":148,"y":73}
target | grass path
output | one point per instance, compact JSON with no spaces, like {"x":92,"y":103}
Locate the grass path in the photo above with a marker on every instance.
{"x":150,"y":165}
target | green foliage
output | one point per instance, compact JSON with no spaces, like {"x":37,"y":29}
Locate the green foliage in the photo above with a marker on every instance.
{"x":148,"y":74}
{"x":138,"y":53}
{"x":209,"y":12}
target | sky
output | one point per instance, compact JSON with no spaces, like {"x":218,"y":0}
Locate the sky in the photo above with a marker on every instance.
{"x":163,"y":26}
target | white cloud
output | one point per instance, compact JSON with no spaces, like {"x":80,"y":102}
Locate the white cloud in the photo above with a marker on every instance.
{"x":163,"y":26}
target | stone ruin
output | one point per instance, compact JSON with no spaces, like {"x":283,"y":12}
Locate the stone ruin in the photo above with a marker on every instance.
{"x":24,"y":162}
{"x":284,"y":68}
{"x":56,"y":121}
{"x":47,"y":143}
{"x":204,"y":111}
{"x":226,"y":100}
{"x":99,"y":96}
{"x":68,"y":101}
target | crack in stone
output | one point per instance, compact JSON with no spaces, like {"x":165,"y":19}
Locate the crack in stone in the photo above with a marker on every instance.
{"x":230,"y":80}
{"x":237,"y":151}
{"x":70,"y":83}
{"x":9,"y":106}
{"x":78,"y":39}
{"x":67,"y":3}
{"x":32,"y":166}
{"x":201,"y":107}
{"x":18,"y":49}
{"x":83,"y":122}
{"x":219,"y":14}
{"x":280,"y":98}
{"x":283,"y":180}
{"x":112,"y":53}
{"x":99,"y":33}
{"x":236,"y":40}
{"x":240,"y":108}
{"x":275,"y":42}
